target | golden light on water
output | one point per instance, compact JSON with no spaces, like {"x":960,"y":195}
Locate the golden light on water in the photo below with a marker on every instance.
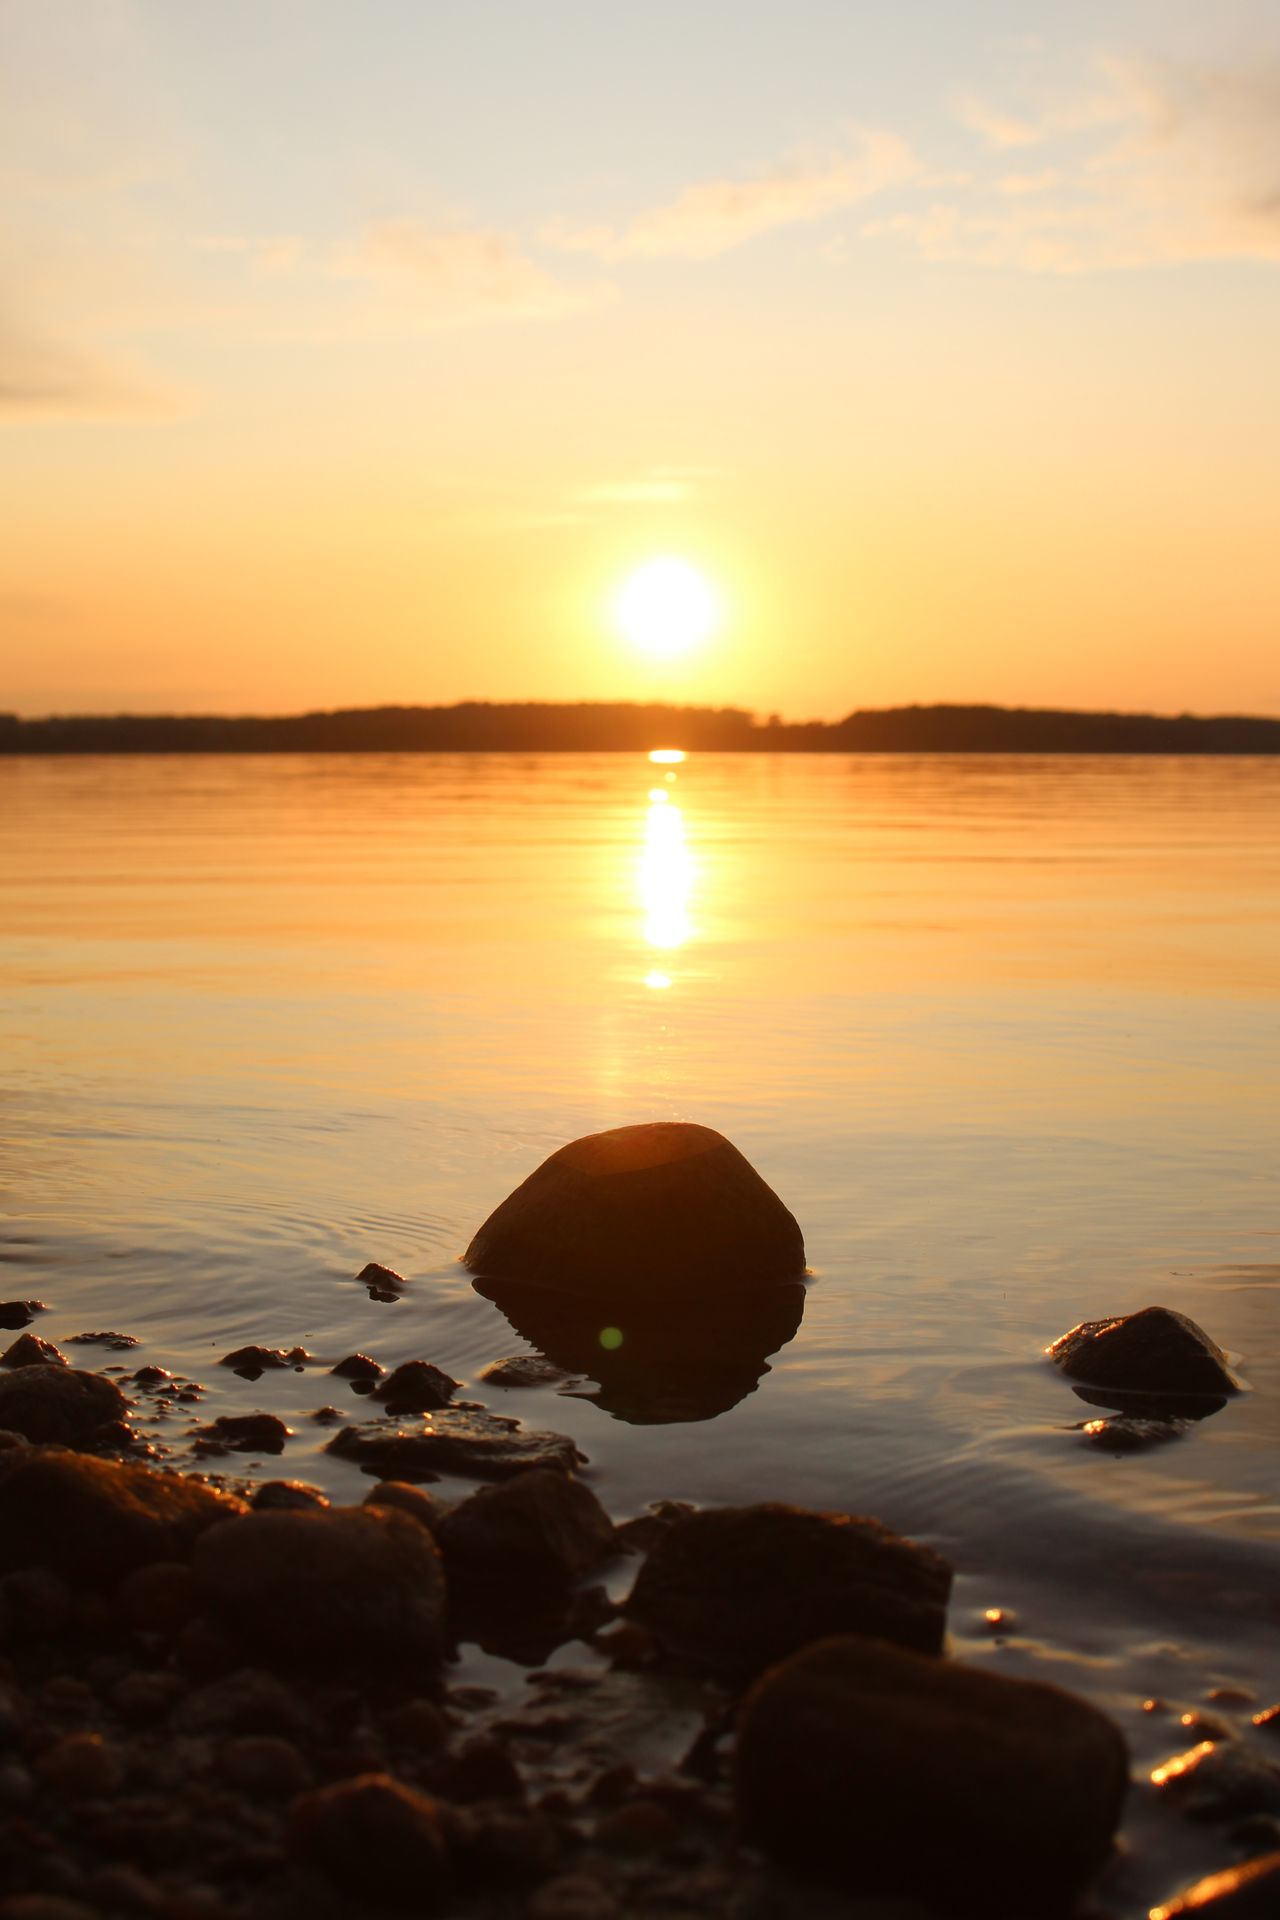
{"x":666,"y":608}
{"x":666,"y":757}
{"x":666,"y":875}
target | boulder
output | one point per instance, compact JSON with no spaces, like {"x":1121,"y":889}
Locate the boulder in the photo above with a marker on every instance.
{"x":478,"y":1446}
{"x":641,"y":1211}
{"x":1156,"y":1351}
{"x":539,"y":1529}
{"x":732,"y":1590}
{"x":93,"y":1521}
{"x":416,"y":1387}
{"x":58,"y":1403}
{"x":350,"y":1585}
{"x":245,"y":1433}
{"x":1250,"y":1892}
{"x":373,"y":1839}
{"x":29,"y":1350}
{"x":358,"y":1366}
{"x":418,"y":1504}
{"x":887,"y":1772}
{"x":273,"y":1495}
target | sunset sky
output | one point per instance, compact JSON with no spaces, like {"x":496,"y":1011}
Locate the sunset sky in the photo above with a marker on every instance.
{"x":354,"y":353}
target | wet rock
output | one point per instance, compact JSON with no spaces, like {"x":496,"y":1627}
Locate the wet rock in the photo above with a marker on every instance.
{"x":29,"y":1350}
{"x":64,"y":1404}
{"x":479,"y":1446}
{"x":892,"y":1773}
{"x":541,"y":1528}
{"x":1248,"y":1892}
{"x":733,"y":1590}
{"x":273,"y":1495}
{"x":152,"y":1377}
{"x":115,"y":1342}
{"x":661,"y":1208}
{"x":524,"y":1370}
{"x":353,"y":1585}
{"x":246,"y":1433}
{"x":1268,"y":1719}
{"x":252,"y":1362}
{"x":416,"y":1387}
{"x":384,"y":1283}
{"x":19,"y":1313}
{"x":1219,"y":1781}
{"x":1156,"y":1351}
{"x":265,"y":1764}
{"x":422,"y":1507}
{"x":1133,"y":1432}
{"x":94,"y":1521}
{"x":358,"y":1366}
{"x":373,"y":1838}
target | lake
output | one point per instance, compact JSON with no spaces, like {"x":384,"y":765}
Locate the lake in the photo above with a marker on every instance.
{"x":1002,"y":1033}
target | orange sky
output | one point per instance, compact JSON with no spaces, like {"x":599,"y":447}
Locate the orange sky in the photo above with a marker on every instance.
{"x":357,"y":355}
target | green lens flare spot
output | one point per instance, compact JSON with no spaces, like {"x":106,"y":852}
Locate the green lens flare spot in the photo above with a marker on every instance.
{"x":611,"y":1338}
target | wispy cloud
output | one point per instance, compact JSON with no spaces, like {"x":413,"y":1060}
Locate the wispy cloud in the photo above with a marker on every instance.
{"x":42,"y":376}
{"x":463,"y":272}
{"x":713,"y":216}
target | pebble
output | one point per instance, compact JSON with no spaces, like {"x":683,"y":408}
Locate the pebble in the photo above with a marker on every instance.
{"x":263,"y":1763}
{"x":83,"y":1766}
{"x":374,"y":1838}
{"x":160,"y":1598}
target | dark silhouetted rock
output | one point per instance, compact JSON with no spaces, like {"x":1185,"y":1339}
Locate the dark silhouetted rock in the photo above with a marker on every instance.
{"x":374,"y":1839}
{"x":288,"y":1495}
{"x":478,"y":1446}
{"x":887,"y":1772}
{"x":1132,"y":1432}
{"x":358,"y":1366}
{"x":1219,"y":1781}
{"x":416,"y":1387}
{"x":638,"y":1212}
{"x":115,"y":1342}
{"x":29,"y":1350}
{"x":1248,"y":1892}
{"x":353,"y":1585}
{"x":524,"y":1370}
{"x":384,"y":1283}
{"x":245,"y":1433}
{"x":19,"y":1313}
{"x":1156,"y":1351}
{"x":252,"y":1362}
{"x":540,"y":1528}
{"x":64,"y":1404}
{"x":659,"y":1361}
{"x":94,"y":1521}
{"x":735,"y":1589}
{"x":422,"y":1507}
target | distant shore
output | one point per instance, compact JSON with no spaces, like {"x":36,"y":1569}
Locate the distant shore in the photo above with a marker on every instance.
{"x":624,"y":727}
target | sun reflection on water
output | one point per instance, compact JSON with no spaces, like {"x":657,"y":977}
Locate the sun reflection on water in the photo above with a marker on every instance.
{"x":665,"y":874}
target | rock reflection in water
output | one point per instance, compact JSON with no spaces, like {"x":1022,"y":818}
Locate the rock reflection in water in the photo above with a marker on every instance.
{"x":669,"y":1361}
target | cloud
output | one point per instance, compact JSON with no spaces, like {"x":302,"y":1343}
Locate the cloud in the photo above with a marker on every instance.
{"x":713,"y":216}
{"x":462,"y":272}
{"x":1146,"y":164}
{"x":41,"y":377}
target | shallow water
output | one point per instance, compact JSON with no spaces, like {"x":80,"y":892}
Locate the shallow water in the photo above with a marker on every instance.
{"x":1002,"y":1033}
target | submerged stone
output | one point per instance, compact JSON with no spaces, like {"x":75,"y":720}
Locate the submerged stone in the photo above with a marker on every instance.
{"x":479,"y":1446}
{"x":29,"y":1350}
{"x":245,"y":1433}
{"x":1156,"y":1351}
{"x":735,"y":1589}
{"x":58,"y":1403}
{"x":887,"y":1772}
{"x":94,"y":1521}
{"x":416,"y":1387}
{"x":645,"y":1210}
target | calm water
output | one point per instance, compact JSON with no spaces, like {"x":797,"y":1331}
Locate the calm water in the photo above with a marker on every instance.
{"x":1002,"y":1032}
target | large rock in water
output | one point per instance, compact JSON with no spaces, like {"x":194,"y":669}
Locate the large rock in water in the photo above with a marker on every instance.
{"x":1157,"y":1351}
{"x":886,"y":1772}
{"x":734,"y":1589}
{"x":350,"y":1586}
{"x":94,"y":1521}
{"x":50,"y":1401}
{"x":641,"y":1211}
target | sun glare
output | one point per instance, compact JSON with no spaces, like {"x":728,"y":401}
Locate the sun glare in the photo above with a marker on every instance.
{"x":666,"y":607}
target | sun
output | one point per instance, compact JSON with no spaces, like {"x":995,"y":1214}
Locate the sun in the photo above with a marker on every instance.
{"x":667,"y":607}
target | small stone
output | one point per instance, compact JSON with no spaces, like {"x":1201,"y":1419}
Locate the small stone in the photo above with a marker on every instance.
{"x":1205,"y":1726}
{"x":480,"y":1769}
{"x":524,"y":1370}
{"x":1219,"y":1781}
{"x":145,"y":1697}
{"x":29,"y":1350}
{"x":1132,"y":1432}
{"x":1269,"y":1719}
{"x":273,"y":1495}
{"x":159,"y":1598}
{"x":734,"y":1590}
{"x":120,"y":1889}
{"x":204,"y":1651}
{"x":572,"y":1896}
{"x":252,"y":1362}
{"x":541,"y":1527}
{"x":481,"y":1446}
{"x":425,"y":1508}
{"x":384,"y":1283}
{"x":374,"y":1838}
{"x":358,"y":1366}
{"x":418,"y":1725}
{"x":58,"y":1403}
{"x":18,"y":1313}
{"x":1230,"y":1697}
{"x":326,"y":1416}
{"x":247,"y":1433}
{"x":83,"y":1766}
{"x":265,"y":1764}
{"x":1250,"y":1892}
{"x":416,"y":1387}
{"x":852,"y":1752}
{"x":115,"y":1342}
{"x":639,"y":1827}
{"x":247,"y":1701}
{"x":1155,"y":1351}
